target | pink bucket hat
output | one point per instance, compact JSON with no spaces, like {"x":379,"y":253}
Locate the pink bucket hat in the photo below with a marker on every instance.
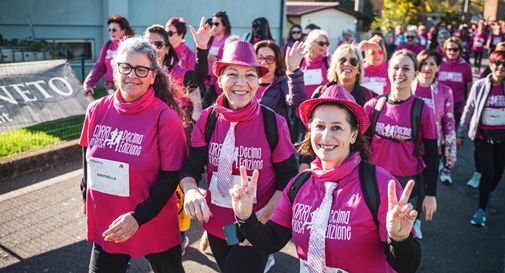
{"x":238,"y":53}
{"x":337,"y":94}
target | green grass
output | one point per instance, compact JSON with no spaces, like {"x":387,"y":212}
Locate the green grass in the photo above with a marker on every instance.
{"x":40,"y":135}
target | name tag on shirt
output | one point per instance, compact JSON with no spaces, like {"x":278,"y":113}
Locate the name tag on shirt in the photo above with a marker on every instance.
{"x":313,"y":76}
{"x":214,"y":50}
{"x":109,"y":176}
{"x":479,"y":42}
{"x":377,"y":87}
{"x":305,"y":269}
{"x":494,"y":117}
{"x":216,"y":197}
{"x":496,"y":40}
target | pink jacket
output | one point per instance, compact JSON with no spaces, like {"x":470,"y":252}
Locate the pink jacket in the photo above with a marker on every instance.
{"x":103,"y":65}
{"x":187,"y":57}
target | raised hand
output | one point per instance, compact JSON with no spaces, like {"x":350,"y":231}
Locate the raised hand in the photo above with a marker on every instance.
{"x":401,"y":215}
{"x":294,"y":55}
{"x":121,"y":229}
{"x":242,"y":197}
{"x":202,"y":35}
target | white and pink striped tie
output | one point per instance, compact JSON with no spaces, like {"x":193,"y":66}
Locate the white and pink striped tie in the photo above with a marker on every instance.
{"x":226,"y":158}
{"x":316,"y":257}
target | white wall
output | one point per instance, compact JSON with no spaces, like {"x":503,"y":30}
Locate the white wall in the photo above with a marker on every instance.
{"x":332,"y":21}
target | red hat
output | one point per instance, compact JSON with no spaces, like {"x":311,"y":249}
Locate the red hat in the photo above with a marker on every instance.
{"x":337,"y":94}
{"x":238,"y":53}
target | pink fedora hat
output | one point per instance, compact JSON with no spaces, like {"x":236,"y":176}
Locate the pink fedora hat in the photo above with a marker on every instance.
{"x":238,"y":53}
{"x":337,"y":94}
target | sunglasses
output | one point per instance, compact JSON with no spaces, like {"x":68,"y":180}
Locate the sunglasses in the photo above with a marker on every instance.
{"x":452,"y":49}
{"x":216,"y":24}
{"x":353,"y":61}
{"x":321,"y":43}
{"x":158,"y":44}
{"x":267,"y":59}
{"x":296,"y":32}
{"x":140,"y":71}
{"x":411,"y":37}
{"x":112,"y":30}
{"x":379,"y":52}
{"x":171,"y":33}
{"x":498,"y":63}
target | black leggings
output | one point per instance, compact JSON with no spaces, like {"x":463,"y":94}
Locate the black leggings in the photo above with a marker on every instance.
{"x":232,"y":259}
{"x":169,"y":261}
{"x":476,"y":160}
{"x":492,"y":162}
{"x":478,"y":58}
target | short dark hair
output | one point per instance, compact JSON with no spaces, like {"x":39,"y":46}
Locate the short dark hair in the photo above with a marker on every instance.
{"x":123,"y":24}
{"x":170,"y":58}
{"x":179,"y":23}
{"x":425,"y":54}
{"x":280,"y":65}
{"x":224,"y":20}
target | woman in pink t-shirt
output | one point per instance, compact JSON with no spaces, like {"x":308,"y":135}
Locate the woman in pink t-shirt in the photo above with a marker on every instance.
{"x":230,"y":134}
{"x":327,"y":218}
{"x":134,"y":147}
{"x":119,"y":29}
{"x":439,"y":98}
{"x":376,"y":72}
{"x":398,"y":136}
{"x":176,"y":30}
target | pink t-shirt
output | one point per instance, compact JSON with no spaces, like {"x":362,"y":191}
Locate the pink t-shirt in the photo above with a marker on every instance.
{"x":187,"y":57}
{"x":376,"y":78}
{"x":149,"y":137}
{"x":493,"y":114}
{"x":351,"y":230}
{"x":394,"y":122}
{"x":216,"y":50}
{"x":494,"y":40}
{"x":479,"y":41}
{"x":314,"y":73}
{"x":103,"y":65}
{"x":456,"y":74}
{"x":252,"y":151}
{"x":424,"y":92}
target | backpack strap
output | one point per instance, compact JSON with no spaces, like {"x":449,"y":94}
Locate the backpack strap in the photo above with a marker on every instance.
{"x":210,"y":125}
{"x":368,"y":181}
{"x":269,"y":121}
{"x":415,"y":116}
{"x":377,"y":110}
{"x":297,"y":184}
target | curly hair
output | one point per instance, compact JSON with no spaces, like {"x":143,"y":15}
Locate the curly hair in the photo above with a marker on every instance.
{"x":360,"y":145}
{"x":162,"y":88}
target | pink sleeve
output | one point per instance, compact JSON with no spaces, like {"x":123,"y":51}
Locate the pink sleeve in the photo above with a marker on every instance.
{"x":369,"y":108}
{"x":191,"y":59}
{"x":284,"y":147}
{"x":468,"y":76}
{"x":283,"y":213}
{"x":84,"y":141}
{"x":98,"y":69}
{"x":198,"y":133}
{"x":383,"y":178}
{"x":172,"y":141}
{"x":428,"y":124}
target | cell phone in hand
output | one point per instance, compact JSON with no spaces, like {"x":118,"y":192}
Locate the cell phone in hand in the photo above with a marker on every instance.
{"x":230,"y":231}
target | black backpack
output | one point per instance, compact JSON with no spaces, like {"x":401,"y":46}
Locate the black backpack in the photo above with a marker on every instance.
{"x":269,"y":121}
{"x":415,"y":118}
{"x":368,"y":181}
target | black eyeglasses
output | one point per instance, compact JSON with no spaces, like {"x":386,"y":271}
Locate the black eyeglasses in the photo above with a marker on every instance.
{"x":296,"y":32}
{"x":453,"y":49}
{"x":411,"y":37}
{"x":498,"y":63}
{"x":158,"y":44}
{"x":215,"y":24}
{"x":267,"y":59}
{"x":171,"y":33}
{"x":140,"y":71}
{"x":353,"y":61}
{"x":112,"y":30}
{"x":321,"y":43}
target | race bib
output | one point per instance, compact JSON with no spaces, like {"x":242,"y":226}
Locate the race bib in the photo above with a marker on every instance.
{"x":377,"y":87}
{"x":214,"y":50}
{"x":305,"y":269}
{"x":108,"y":176}
{"x":216,"y":197}
{"x":496,"y":40}
{"x":313,"y":76}
{"x":493,"y":116}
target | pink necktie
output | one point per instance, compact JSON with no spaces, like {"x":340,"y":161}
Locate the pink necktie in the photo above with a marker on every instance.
{"x":316,"y":258}
{"x":226,"y":158}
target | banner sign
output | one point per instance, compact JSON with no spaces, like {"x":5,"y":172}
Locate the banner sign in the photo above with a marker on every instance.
{"x":36,"y":92}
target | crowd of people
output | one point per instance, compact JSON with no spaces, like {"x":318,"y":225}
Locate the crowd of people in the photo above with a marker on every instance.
{"x":341,"y":152}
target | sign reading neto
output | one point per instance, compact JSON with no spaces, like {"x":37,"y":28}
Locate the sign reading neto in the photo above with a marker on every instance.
{"x":35,"y":92}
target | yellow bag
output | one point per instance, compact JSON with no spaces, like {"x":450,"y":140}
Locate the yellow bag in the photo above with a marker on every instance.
{"x":184,"y":220}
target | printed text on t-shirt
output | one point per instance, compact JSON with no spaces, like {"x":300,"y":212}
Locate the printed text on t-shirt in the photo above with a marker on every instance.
{"x":338,"y":223}
{"x":249,"y":157}
{"x":122,"y":141}
{"x":393,"y":131}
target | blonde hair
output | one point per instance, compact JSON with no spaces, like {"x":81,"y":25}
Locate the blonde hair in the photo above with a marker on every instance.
{"x":339,"y":52}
